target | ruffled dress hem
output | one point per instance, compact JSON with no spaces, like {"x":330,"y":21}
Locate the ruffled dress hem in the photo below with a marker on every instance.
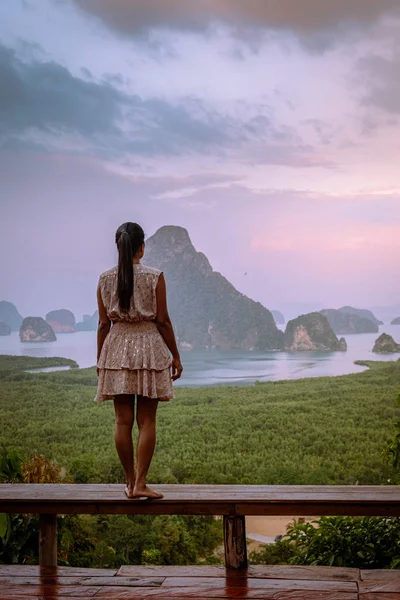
{"x":134,"y":360}
{"x":144,"y":382}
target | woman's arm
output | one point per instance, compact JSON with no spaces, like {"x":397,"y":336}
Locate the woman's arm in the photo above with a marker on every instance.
{"x":104,"y":324}
{"x":165,"y":328}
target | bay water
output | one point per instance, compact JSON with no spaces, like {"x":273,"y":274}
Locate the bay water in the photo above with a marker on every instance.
{"x":223,"y":367}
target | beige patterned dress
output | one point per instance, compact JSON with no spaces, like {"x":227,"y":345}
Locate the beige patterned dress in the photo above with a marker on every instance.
{"x":134,"y":358}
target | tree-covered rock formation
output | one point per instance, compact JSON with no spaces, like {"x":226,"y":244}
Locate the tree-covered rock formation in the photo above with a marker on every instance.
{"x":312,"y":332}
{"x":89,"y":322}
{"x":206,"y":310}
{"x":61,"y":321}
{"x":10,"y":315}
{"x":396,"y":321}
{"x":278,"y":316}
{"x":36,"y":329}
{"x":361,"y":312}
{"x":4,"y":328}
{"x":385,"y":344}
{"x":344,"y":323}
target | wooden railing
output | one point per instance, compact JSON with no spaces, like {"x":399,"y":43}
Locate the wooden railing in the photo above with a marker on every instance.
{"x":233,"y":502}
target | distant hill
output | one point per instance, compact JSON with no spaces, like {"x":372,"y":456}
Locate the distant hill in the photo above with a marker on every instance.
{"x":278,"y":316}
{"x":89,"y":322}
{"x":4,"y":328}
{"x":385,"y":344}
{"x":344,"y":323}
{"x":312,"y":332}
{"x":361,"y":312}
{"x":36,"y":329}
{"x":396,"y":321}
{"x":61,"y":321}
{"x":10,"y":316}
{"x":206,"y":310}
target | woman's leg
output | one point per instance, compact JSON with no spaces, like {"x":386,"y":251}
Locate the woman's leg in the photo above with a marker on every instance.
{"x":146,"y":420}
{"x":124,"y":406}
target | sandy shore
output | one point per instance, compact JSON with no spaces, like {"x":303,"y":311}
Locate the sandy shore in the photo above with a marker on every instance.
{"x":271,"y":526}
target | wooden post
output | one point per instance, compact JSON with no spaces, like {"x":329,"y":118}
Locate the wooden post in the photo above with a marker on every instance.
{"x":48,"y":540}
{"x":235,"y":542}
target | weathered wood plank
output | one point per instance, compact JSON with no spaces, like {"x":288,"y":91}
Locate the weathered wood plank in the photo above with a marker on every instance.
{"x":45,"y":580}
{"x":147,"y":579}
{"x":47,"y":592}
{"x":37,"y":571}
{"x":391,"y":586}
{"x":277,"y":584}
{"x":50,"y":580}
{"x":260,"y":571}
{"x":48,"y":539}
{"x":379,"y":574}
{"x":175,"y":571}
{"x":382,"y":596}
{"x":235,"y":542}
{"x":125,"y":581}
{"x":226,"y":593}
{"x":315,"y":573}
{"x":57,"y":596}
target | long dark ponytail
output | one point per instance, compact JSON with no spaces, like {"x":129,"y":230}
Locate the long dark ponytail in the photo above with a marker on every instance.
{"x":128,"y":237}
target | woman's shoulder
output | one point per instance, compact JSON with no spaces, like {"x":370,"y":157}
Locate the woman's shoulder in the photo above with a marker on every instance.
{"x":149,"y":270}
{"x":109,"y":273}
{"x":139,"y":268}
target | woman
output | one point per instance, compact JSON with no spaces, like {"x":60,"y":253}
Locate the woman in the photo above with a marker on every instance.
{"x":133,"y":339}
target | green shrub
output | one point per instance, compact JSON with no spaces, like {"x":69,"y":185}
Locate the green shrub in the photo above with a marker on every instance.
{"x":361,"y":542}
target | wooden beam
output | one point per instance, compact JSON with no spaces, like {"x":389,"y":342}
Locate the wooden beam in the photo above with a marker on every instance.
{"x":235,"y":542}
{"x":48,"y":540}
{"x":193,"y":499}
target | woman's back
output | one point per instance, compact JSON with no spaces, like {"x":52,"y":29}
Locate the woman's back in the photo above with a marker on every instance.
{"x":143,"y":306}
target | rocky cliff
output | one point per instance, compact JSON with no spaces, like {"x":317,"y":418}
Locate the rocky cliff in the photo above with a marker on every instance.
{"x":10,"y":315}
{"x":4,"y":328}
{"x":206,"y":310}
{"x":344,"y":323}
{"x":36,"y":329}
{"x":89,"y":322}
{"x":396,"y":321}
{"x":385,"y":344}
{"x":61,"y":321}
{"x":361,"y":312}
{"x":312,"y":332}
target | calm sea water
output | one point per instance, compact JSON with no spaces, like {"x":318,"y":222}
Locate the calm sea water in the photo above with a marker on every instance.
{"x":216,"y":367}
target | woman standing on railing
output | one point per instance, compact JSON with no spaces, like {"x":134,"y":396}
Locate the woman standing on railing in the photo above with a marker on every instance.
{"x":133,"y":339}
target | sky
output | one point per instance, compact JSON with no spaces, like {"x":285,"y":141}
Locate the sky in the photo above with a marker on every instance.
{"x":269,"y":130}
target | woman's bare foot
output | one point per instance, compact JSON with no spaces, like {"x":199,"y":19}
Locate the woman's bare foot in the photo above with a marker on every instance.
{"x":129,"y":491}
{"x":130,"y":486}
{"x":146,"y":492}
